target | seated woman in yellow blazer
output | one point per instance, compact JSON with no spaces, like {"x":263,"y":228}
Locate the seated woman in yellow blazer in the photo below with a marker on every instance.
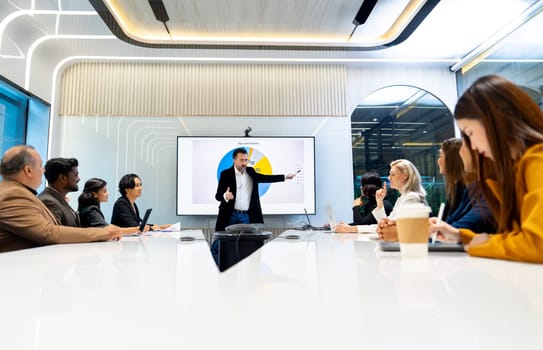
{"x":503,"y":126}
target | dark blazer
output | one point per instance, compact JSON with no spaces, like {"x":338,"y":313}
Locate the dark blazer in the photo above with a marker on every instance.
{"x":123,"y":215}
{"x":26,"y":222}
{"x":362,"y":214}
{"x":228,"y":179}
{"x":458,"y":195}
{"x":474,"y":216}
{"x":58,"y":206}
{"x":92,"y":216}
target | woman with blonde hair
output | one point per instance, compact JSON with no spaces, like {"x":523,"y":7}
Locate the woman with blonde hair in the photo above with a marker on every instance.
{"x":503,"y":126}
{"x":404,"y":177}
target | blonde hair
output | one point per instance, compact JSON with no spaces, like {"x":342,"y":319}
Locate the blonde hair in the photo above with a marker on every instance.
{"x":413,"y":182}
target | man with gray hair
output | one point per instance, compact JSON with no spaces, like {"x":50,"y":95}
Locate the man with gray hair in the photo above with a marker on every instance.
{"x":25,"y":222}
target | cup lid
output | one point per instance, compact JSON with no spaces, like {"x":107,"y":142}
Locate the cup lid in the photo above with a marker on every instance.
{"x":411,"y":210}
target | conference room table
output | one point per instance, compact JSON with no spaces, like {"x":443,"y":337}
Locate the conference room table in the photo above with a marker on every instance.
{"x":321,"y":291}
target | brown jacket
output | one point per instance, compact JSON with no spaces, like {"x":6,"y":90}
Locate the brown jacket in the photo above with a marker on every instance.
{"x":26,"y":222}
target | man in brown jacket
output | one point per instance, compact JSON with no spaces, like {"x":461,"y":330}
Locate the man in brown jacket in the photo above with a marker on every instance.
{"x":25,"y":221}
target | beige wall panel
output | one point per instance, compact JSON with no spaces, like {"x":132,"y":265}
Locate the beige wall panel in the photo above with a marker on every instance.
{"x":166,"y":89}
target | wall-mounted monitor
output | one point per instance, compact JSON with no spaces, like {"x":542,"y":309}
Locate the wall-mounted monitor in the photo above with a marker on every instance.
{"x":200,"y":161}
{"x":24,"y":119}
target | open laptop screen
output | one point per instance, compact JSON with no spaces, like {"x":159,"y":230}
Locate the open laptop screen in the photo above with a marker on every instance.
{"x":307,"y":217}
{"x":144,"y":221}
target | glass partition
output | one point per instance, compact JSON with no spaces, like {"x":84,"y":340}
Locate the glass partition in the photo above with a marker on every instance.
{"x":24,"y":119}
{"x":401,"y":122}
{"x":519,"y":58}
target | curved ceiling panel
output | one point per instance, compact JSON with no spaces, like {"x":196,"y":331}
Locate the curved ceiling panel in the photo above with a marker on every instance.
{"x":280,"y":24}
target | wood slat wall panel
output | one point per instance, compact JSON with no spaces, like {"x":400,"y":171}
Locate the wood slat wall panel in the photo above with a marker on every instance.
{"x":159,"y":89}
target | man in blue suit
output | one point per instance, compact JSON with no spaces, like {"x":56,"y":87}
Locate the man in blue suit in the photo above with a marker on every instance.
{"x":238,"y":192}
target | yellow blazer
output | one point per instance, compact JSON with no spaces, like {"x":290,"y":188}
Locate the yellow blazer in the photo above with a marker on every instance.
{"x":525,"y":241}
{"x":26,"y":222}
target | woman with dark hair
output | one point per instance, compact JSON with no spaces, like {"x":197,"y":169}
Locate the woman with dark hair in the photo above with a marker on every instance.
{"x":94,"y":193}
{"x":364,"y":205}
{"x":503,"y":127}
{"x":470,"y":210}
{"x":451,"y":167}
{"x":125,"y":211}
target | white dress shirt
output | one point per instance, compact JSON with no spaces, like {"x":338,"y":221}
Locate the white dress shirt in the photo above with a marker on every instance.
{"x":244,"y":187}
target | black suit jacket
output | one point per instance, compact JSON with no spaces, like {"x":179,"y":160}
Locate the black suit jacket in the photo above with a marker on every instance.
{"x":123,"y":215}
{"x":363,"y":216}
{"x":228,"y":179}
{"x":91,"y":216}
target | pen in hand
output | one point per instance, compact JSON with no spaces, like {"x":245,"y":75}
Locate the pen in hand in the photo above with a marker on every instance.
{"x":439,"y":217}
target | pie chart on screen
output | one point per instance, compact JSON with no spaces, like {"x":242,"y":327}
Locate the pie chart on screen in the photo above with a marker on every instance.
{"x":257,"y":160}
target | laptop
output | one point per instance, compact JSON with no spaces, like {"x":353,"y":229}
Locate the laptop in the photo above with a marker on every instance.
{"x":144,"y":221}
{"x":432,"y":247}
{"x":141,"y":227}
{"x":309,"y":226}
{"x":331,"y":217}
{"x":332,"y":222}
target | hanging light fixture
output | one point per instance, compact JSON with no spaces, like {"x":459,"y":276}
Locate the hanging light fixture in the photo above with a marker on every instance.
{"x":159,"y":10}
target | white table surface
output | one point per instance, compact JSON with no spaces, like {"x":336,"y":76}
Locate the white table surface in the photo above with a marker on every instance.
{"x":323,"y":291}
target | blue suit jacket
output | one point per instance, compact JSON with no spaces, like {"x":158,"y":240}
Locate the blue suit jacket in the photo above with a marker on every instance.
{"x":474,"y":216}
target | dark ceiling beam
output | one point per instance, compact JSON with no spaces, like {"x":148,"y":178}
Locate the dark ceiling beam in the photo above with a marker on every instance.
{"x":415,"y":22}
{"x":363,"y":14}
{"x":159,"y":10}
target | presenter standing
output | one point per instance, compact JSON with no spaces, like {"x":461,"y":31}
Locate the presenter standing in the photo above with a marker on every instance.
{"x":237,"y":192}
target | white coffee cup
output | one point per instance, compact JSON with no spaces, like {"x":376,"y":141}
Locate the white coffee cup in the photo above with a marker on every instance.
{"x":413,"y":225}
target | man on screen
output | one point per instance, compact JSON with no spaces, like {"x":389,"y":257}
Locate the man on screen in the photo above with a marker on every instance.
{"x":238,"y":192}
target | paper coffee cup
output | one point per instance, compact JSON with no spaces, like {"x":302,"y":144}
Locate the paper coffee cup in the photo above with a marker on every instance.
{"x":412,"y":225}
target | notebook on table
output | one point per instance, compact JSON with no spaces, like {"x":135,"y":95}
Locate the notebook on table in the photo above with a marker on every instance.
{"x":432,"y":247}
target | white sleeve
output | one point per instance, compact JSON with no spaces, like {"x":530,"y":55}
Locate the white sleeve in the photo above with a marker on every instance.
{"x":411,"y":197}
{"x":379,"y":213}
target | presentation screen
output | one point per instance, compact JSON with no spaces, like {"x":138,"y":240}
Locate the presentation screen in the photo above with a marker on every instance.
{"x":200,"y":161}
